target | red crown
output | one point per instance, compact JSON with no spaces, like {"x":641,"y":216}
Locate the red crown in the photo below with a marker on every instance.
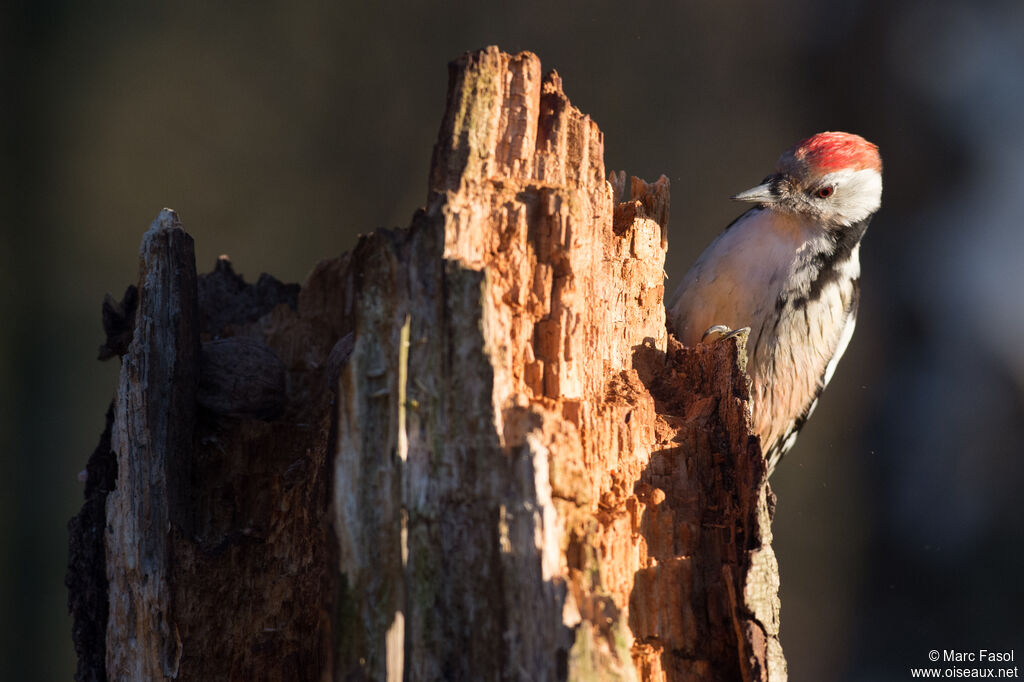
{"x":828,"y":152}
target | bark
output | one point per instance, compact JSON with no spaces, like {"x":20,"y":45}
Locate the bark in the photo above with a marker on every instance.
{"x":467,"y":450}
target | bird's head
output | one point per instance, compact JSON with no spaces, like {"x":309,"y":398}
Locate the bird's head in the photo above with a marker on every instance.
{"x":833,"y":178}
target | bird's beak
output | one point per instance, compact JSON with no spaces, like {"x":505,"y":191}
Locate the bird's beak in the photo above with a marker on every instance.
{"x":760,"y":194}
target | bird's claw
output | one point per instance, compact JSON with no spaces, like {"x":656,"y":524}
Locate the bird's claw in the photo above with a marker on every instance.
{"x":742,"y":331}
{"x":720,"y":332}
{"x":716,"y":330}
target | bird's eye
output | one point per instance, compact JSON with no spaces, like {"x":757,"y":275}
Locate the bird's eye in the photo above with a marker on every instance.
{"x":826,"y":191}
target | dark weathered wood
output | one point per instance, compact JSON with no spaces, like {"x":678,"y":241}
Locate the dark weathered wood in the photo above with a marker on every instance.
{"x":86,"y":578}
{"x":154,"y":422}
{"x":468,"y":449}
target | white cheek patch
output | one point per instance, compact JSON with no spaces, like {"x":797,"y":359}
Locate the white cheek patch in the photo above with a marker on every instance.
{"x":858,"y":194}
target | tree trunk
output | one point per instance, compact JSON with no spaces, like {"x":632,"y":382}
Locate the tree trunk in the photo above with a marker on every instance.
{"x":466,"y":450}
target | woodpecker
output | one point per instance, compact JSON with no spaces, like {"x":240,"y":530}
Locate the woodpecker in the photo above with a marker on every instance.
{"x":789,"y":270}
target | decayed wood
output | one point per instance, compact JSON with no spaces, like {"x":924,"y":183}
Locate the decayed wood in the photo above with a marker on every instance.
{"x":243,"y":583}
{"x":706,"y":563}
{"x":467,"y":450}
{"x":154,"y":418}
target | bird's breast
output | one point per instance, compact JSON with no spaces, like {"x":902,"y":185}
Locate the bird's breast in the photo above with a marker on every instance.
{"x":738,"y":280}
{"x":786,"y":281}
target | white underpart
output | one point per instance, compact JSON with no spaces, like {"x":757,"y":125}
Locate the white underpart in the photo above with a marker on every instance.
{"x":738,"y":281}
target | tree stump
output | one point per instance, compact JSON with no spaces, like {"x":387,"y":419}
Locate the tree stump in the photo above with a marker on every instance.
{"x":466,"y":450}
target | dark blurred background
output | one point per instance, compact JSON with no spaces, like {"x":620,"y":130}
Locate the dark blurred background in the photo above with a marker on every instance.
{"x":280,"y":131}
